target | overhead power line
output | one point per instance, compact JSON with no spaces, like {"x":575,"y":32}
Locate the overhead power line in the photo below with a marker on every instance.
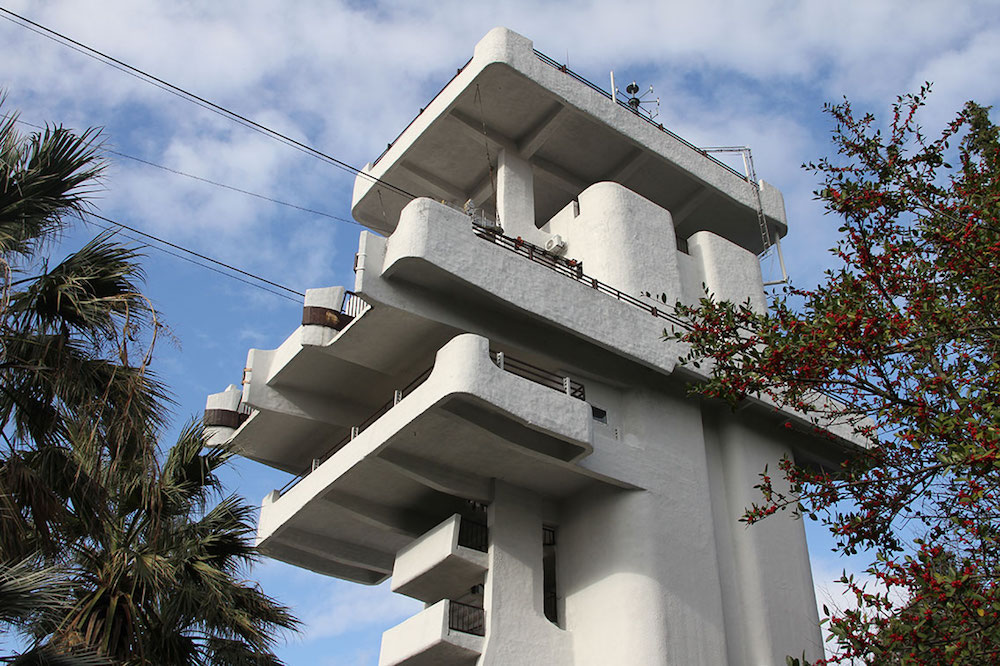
{"x":213,"y":182}
{"x":234,"y":189}
{"x":203,"y":257}
{"x":69,"y":42}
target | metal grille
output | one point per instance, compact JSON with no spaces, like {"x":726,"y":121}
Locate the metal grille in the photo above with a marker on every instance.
{"x":473,"y":535}
{"x":467,"y":619}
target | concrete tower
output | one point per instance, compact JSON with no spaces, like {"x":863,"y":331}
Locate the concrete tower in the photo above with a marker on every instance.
{"x":492,"y":418}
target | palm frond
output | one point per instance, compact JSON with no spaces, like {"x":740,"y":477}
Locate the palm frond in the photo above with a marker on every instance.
{"x":30,"y":590}
{"x":43,"y":178}
{"x":90,"y":292}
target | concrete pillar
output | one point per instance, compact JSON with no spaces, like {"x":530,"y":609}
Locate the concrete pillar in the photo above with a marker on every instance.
{"x":517,"y":630}
{"x":515,"y":195}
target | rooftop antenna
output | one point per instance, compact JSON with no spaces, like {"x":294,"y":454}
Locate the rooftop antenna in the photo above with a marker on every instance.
{"x":640,"y":104}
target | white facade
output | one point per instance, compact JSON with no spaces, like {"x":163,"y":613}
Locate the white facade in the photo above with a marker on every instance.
{"x":503,"y":430}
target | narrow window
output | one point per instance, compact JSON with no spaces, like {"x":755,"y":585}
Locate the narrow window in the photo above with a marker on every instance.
{"x":549,"y":603}
{"x":600,"y":415}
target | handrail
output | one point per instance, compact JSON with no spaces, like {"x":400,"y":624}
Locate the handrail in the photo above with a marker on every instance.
{"x":467,"y":619}
{"x":546,"y":378}
{"x":565,"y":70}
{"x":569,"y":267}
{"x":358,"y":429}
{"x":574,"y":270}
{"x":393,"y":142}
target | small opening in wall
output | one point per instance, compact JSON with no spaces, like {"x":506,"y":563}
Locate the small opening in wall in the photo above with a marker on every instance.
{"x":600,"y":415}
{"x":682,"y":245}
{"x":550,"y":604}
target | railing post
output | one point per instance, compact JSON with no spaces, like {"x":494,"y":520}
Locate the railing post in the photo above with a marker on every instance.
{"x":315,"y":464}
{"x":566,"y":387}
{"x":354,"y":431}
{"x":500,"y":360}
{"x":396,"y":397}
{"x":579,"y":270}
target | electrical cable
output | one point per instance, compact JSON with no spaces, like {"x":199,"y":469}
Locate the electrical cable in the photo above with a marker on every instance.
{"x":213,"y":182}
{"x":195,"y":254}
{"x":191,"y":97}
{"x":118,"y":230}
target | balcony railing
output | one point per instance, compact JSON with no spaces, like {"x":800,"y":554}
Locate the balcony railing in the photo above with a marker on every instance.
{"x":358,"y":429}
{"x":466,"y":618}
{"x":546,"y":378}
{"x":474,"y":535}
{"x":565,"y":70}
{"x":574,"y":270}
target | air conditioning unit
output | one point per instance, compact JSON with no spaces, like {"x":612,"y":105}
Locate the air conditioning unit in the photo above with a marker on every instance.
{"x":555,"y":245}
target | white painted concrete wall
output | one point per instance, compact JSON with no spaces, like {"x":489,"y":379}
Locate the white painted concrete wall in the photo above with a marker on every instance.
{"x":623,"y":240}
{"x":517,"y":630}
{"x":639,"y":570}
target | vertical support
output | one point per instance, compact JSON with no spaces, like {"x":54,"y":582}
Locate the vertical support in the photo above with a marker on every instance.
{"x":315,"y":463}
{"x":566,"y":387}
{"x":396,"y":397}
{"x":515,"y":195}
{"x":500,"y":360}
{"x":354,"y":431}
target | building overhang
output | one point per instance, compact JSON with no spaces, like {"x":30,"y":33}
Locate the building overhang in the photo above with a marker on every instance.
{"x":442,"y":445}
{"x":508,"y":98}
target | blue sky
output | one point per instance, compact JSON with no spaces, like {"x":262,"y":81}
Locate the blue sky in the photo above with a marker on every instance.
{"x":346,"y":77}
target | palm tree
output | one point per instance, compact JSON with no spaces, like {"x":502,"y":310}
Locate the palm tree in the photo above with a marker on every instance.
{"x":147,"y":569}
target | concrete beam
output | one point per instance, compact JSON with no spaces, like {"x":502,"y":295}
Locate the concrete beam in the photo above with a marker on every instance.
{"x":438,"y":477}
{"x":570,"y":182}
{"x":628,"y":166}
{"x":536,"y":137}
{"x":689,"y":206}
{"x":474,"y":128}
{"x":340,"y":551}
{"x":483,"y":190}
{"x":390,"y":519}
{"x":442,"y":187}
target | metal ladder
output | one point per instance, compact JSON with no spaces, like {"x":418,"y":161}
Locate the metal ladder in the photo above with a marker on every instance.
{"x":751,"y":177}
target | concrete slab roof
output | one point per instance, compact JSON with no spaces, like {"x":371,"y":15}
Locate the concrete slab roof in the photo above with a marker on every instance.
{"x":508,"y":97}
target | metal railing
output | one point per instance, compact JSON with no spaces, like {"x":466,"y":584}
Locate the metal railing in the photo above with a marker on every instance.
{"x":393,"y":142}
{"x":568,"y":267}
{"x":546,"y":378}
{"x":467,"y":619}
{"x":562,"y":68}
{"x":358,"y":429}
{"x":574,"y":270}
{"x":474,"y":535}
{"x":354,"y":305}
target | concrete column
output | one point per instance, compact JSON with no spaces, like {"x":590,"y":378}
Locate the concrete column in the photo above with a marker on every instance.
{"x":517,"y":630}
{"x":771,"y":580}
{"x":515,"y":195}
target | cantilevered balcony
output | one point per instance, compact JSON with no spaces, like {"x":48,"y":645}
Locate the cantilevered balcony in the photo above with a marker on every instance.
{"x":436,"y":257}
{"x":424,"y":458}
{"x":444,"y":634}
{"x":444,"y":563}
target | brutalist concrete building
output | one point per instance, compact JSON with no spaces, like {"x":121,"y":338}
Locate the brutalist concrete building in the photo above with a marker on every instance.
{"x":492,"y":417}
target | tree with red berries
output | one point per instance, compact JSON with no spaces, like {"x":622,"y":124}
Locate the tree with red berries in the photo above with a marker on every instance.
{"x":900,"y":344}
